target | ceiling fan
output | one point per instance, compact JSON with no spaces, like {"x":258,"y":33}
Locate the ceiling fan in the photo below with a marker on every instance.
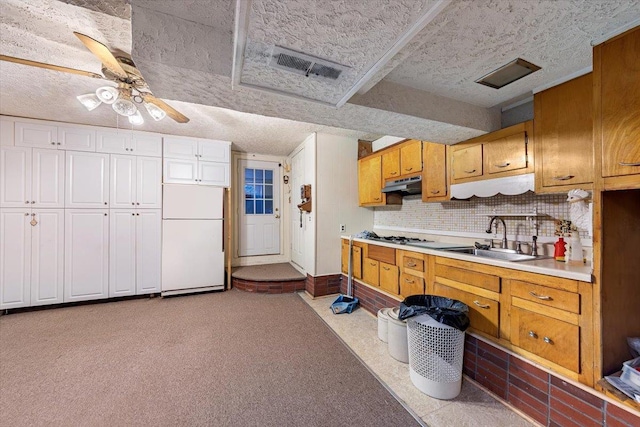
{"x":132,"y":90}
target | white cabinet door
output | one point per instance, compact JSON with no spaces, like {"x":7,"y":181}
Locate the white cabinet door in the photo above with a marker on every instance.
{"x":148,"y":251}
{"x":146,"y":145}
{"x":214,"y":151}
{"x":178,"y":148}
{"x":180,"y":171}
{"x":47,"y":178}
{"x":35,"y":135}
{"x":15,"y":177}
{"x":87,"y":180}
{"x":148,"y":183}
{"x":47,"y":256}
{"x":86,"y":255}
{"x":15,"y":253}
{"x":122,"y":253}
{"x":76,"y":138}
{"x":6,"y":131}
{"x":115,"y":142}
{"x":213,"y":173}
{"x":123,"y":181}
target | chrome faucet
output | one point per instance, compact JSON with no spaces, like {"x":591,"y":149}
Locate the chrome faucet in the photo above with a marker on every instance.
{"x":534,"y":246}
{"x":503,"y":244}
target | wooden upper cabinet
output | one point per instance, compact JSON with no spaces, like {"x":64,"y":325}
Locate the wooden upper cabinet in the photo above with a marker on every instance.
{"x":370,"y":181}
{"x":616,"y":72}
{"x":411,"y":157}
{"x":391,"y":164}
{"x":466,"y":162}
{"x":434,"y":173}
{"x":564,"y":135}
{"x":506,"y":154}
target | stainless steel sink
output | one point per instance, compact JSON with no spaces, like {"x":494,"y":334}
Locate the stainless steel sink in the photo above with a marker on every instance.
{"x":501,"y":254}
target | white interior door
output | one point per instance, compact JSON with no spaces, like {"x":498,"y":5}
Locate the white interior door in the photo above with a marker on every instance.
{"x":148,"y":251}
{"x":47,"y":184}
{"x":47,"y":256}
{"x":15,"y":253}
{"x":123,"y":181}
{"x":297,"y":224}
{"x":259,"y":200}
{"x":122,"y":253}
{"x":15,"y":177}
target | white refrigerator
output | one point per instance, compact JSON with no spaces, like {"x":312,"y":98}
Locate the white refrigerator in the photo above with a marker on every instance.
{"x":192,"y":238}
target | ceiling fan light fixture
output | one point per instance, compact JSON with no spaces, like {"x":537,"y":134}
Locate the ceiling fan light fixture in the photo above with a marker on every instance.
{"x":136,"y":118}
{"x":154,"y":111}
{"x":107,"y":94}
{"x":124,"y":106}
{"x":89,"y":100}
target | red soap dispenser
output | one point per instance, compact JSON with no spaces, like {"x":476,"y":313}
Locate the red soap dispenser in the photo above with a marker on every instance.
{"x":559,"y":250}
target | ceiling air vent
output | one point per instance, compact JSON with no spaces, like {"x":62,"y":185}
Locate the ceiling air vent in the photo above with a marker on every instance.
{"x":508,"y":73}
{"x":303,"y":64}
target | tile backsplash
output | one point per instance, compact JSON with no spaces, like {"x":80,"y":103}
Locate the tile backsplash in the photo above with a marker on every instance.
{"x":472,"y":216}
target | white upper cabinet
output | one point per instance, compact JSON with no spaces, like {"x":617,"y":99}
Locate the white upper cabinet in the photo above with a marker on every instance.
{"x":148,"y":182}
{"x":123,"y":181}
{"x":128,"y":142}
{"x":214,"y":151}
{"x":47,"y":179}
{"x":47,"y":256}
{"x":15,"y":252}
{"x":48,"y":135}
{"x":86,"y":262}
{"x":15,"y":177}
{"x":6,"y":131}
{"x":213,"y":173}
{"x":180,"y":171}
{"x":87,"y":180}
{"x":76,"y":138}
{"x":41,"y":135}
{"x":180,"y":148}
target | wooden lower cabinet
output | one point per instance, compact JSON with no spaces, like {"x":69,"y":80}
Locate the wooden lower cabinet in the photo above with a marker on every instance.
{"x":357,"y":259}
{"x":483,"y":312}
{"x":389,"y":278}
{"x":371,"y":271}
{"x":411,"y":285}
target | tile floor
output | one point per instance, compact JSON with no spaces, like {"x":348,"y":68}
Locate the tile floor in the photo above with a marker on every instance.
{"x":473,"y":407}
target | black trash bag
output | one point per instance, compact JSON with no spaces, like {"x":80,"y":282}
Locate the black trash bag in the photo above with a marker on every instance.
{"x":445,"y":310}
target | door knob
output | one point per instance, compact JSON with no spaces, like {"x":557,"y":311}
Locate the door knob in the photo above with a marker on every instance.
{"x":277,"y":216}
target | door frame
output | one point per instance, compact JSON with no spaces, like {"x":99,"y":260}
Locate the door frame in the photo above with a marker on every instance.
{"x":284,"y":254}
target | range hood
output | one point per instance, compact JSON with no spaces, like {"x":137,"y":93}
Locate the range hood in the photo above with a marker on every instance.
{"x":508,"y":186}
{"x":405,"y":186}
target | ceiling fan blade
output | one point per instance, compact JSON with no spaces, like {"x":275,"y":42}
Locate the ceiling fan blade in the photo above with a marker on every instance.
{"x":171,"y":112}
{"x":104,"y":55}
{"x":49,"y":66}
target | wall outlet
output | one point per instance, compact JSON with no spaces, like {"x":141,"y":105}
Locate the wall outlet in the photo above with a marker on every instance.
{"x":343,"y":228}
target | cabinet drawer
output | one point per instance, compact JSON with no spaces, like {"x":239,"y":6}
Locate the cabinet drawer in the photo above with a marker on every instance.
{"x":382,"y":253}
{"x":483,"y":312}
{"x":411,"y":285}
{"x":549,"y":338}
{"x":551,"y":297}
{"x":413,"y":263}
{"x":370,"y":269}
{"x":389,"y":278}
{"x":468,"y":277}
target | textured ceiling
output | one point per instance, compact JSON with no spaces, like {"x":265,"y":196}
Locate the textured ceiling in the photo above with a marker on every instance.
{"x":184,"y":49}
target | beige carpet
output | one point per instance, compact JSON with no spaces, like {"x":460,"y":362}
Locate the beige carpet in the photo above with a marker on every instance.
{"x":217,"y":359}
{"x":281,"y":272}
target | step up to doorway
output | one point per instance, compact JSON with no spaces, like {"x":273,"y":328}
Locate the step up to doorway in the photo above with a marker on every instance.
{"x":268,"y":278}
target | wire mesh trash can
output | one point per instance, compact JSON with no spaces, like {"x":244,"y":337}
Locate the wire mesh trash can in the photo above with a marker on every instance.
{"x":397,"y":336}
{"x":383,"y":324}
{"x":435,"y":357}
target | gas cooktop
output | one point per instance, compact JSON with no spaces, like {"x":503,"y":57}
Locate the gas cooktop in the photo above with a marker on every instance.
{"x":400,"y":240}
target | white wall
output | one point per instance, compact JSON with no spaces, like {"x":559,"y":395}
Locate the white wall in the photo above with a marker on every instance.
{"x":384,"y":142}
{"x":336,"y":199}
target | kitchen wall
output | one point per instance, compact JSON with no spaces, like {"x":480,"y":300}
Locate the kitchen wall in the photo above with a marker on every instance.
{"x":469,"y":218}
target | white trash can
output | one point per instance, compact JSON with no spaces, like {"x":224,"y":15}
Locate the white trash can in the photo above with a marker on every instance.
{"x":383,"y":324}
{"x":397,"y":333}
{"x":435,"y":357}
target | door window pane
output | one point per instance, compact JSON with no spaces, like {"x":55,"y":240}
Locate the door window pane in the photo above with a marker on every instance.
{"x":259,"y":206}
{"x":268,"y":206}
{"x":248,"y":207}
{"x":268,"y":177}
{"x":258,"y":191}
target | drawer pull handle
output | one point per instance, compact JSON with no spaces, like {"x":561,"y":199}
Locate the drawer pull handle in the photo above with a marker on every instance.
{"x":503,"y":165}
{"x":533,"y":335}
{"x":628,"y":164}
{"x":547,"y":340}
{"x":411,"y":264}
{"x":562,"y":178}
{"x":373,"y":264}
{"x":408,"y":169}
{"x":394,"y":173}
{"x":542,"y":297}
{"x":409,"y":281}
{"x":479,"y":304}
{"x":471,"y":171}
{"x":386,"y":268}
{"x":377,"y":198}
{"x":435,"y":191}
